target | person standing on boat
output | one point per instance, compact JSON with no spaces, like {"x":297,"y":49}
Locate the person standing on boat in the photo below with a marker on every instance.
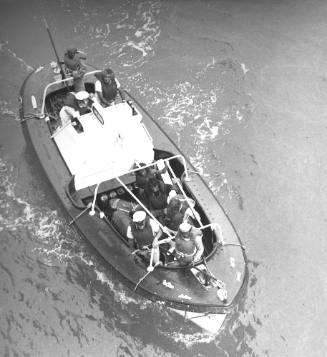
{"x":75,"y":105}
{"x":75,"y":67}
{"x":144,"y":232}
{"x":107,"y":88}
{"x":188,"y":244}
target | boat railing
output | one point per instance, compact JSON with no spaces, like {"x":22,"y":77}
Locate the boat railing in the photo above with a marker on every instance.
{"x":61,"y":81}
{"x":214,"y":225}
{"x":154,"y":163}
{"x":184,"y":194}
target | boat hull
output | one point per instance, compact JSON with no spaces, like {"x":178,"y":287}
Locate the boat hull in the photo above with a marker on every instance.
{"x":177,"y":288}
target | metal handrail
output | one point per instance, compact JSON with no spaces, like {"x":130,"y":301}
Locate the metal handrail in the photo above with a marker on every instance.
{"x":58,"y":82}
{"x":214,"y":225}
{"x":184,"y":194}
{"x":142,"y":167}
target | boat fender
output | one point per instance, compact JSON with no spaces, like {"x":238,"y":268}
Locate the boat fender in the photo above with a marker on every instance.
{"x":34,"y":104}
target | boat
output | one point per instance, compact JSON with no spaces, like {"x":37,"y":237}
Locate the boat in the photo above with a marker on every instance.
{"x":100,"y":160}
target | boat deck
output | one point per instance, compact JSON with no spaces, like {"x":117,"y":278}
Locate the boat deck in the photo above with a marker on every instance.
{"x":104,"y":151}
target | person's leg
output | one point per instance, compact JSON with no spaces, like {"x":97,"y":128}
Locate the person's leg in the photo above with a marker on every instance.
{"x":64,"y":116}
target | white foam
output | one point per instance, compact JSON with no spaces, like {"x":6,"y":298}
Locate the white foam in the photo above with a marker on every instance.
{"x":17,"y":213}
{"x":190,"y":340}
{"x":245,"y":70}
{"x":5,"y":110}
{"x":4,"y":48}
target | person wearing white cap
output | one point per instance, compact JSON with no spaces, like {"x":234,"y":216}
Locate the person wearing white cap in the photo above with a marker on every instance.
{"x":144,"y":232}
{"x":75,"y":105}
{"x":188,"y":244}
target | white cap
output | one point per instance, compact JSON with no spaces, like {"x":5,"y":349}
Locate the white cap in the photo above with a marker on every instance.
{"x":82,"y":95}
{"x":185,"y":227}
{"x":139,"y":216}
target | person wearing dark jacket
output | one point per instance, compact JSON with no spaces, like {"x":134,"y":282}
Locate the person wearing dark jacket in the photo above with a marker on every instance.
{"x":156,"y":194}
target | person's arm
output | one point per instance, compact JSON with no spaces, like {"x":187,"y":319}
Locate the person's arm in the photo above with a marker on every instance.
{"x":157,"y":232}
{"x":130,"y":237}
{"x":189,"y":213}
{"x":98,"y":90}
{"x":120,"y":90}
{"x":81,"y":55}
{"x":122,"y":94}
{"x":71,"y":112}
{"x":199,"y":248}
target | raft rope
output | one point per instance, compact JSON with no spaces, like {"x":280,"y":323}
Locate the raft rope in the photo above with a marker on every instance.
{"x":38,"y":116}
{"x":79,"y":215}
{"x":149,"y":271}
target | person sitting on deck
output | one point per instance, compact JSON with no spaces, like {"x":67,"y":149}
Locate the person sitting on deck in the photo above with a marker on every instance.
{"x":179,"y":211}
{"x":188,"y":244}
{"x":156,"y":193}
{"x":107,"y":88}
{"x":75,"y":105}
{"x":143,"y":233}
{"x":75,"y":67}
{"x":143,"y":176}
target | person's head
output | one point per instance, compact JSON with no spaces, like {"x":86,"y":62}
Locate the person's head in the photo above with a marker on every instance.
{"x":141,"y":172}
{"x":82,"y":98}
{"x":108,"y":75}
{"x":104,"y":198}
{"x":139,"y":219}
{"x":185,"y":230}
{"x":154,"y":186}
{"x":71,"y":52}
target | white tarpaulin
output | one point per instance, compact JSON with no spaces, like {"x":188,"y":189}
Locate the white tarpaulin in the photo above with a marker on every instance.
{"x":106,"y":151}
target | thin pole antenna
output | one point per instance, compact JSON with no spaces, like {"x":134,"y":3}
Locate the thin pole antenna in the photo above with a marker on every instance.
{"x":63,"y":76}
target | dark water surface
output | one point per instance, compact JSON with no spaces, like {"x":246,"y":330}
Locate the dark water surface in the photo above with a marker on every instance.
{"x":241,"y":86}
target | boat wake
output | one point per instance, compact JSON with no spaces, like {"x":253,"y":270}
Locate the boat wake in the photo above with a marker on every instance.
{"x":43,"y":225}
{"x":6,"y":111}
{"x":203,"y":111}
{"x":134,"y":27}
{"x":5,"y":50}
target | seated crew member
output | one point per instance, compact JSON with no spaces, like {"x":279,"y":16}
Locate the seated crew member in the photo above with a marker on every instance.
{"x":188,"y":244}
{"x":178,"y":211}
{"x":143,"y":176}
{"x":75,"y":105}
{"x":156,"y":193}
{"x":107,"y":88}
{"x":144,"y":231}
{"x":75,"y":67}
